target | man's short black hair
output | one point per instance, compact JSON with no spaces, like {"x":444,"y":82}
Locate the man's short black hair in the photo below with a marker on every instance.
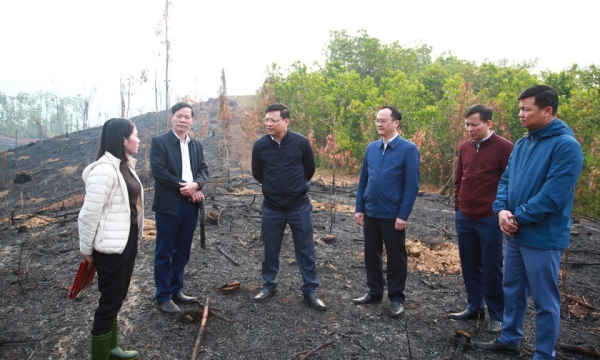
{"x":283,"y":110}
{"x":396,"y":114}
{"x":544,"y":96}
{"x":485,"y":113}
{"x":180,"y":105}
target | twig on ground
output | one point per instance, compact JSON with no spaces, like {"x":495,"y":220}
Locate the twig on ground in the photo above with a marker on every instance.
{"x":10,"y":342}
{"x":196,"y":351}
{"x":227,"y":256}
{"x":211,"y":311}
{"x":309,"y":353}
{"x":317,"y":348}
{"x":585,"y":350}
{"x":407,"y":338}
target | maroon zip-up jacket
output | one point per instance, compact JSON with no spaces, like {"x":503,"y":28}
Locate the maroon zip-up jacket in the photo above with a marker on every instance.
{"x":478,"y":172}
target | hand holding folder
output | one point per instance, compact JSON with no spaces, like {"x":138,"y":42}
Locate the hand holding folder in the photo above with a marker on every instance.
{"x":83,"y":278}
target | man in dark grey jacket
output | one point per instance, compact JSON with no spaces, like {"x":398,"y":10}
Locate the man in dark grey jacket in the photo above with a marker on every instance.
{"x":180,"y":172}
{"x":283,"y":162}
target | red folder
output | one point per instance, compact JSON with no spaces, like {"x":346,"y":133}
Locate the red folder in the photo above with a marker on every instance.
{"x":83,"y":278}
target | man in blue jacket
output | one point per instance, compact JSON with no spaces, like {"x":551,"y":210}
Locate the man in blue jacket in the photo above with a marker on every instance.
{"x":180,"y":172}
{"x":533,"y":203}
{"x":283,"y":162}
{"x":387,"y":190}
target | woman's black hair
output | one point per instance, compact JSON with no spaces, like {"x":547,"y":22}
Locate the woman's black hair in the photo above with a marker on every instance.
{"x":114,"y":132}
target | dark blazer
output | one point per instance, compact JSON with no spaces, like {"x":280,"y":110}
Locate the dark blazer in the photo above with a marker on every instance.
{"x":165,"y":163}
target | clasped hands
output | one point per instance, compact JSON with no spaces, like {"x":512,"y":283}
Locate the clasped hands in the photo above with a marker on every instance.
{"x":191,"y":189}
{"x":508,"y":223}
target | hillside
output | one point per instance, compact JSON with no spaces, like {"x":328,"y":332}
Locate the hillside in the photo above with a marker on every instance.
{"x":37,"y":266}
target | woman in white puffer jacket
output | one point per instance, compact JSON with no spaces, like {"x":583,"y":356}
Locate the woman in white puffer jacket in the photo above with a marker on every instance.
{"x":110,"y":227}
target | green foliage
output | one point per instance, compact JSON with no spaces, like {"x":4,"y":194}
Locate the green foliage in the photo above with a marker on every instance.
{"x":40,"y":115}
{"x":337,"y":103}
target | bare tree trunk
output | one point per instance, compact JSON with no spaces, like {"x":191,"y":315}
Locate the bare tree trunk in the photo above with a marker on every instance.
{"x":168,"y":46}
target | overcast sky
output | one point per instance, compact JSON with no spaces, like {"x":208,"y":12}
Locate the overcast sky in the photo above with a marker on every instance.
{"x":71,"y":46}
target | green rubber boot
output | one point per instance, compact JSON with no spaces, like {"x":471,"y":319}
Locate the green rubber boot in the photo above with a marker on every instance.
{"x":101,"y":346}
{"x":116,"y":353}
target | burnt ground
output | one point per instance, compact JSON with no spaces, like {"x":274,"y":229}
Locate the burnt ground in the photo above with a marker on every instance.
{"x":37,"y":267}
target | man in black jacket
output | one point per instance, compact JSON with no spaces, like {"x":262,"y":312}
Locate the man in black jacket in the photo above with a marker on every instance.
{"x":180,"y":172}
{"x":283,"y":162}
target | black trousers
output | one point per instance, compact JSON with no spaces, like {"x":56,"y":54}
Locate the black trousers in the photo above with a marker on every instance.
{"x":378,"y":232}
{"x":114,"y":276}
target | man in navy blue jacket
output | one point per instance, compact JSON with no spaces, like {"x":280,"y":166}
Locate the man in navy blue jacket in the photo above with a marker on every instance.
{"x":283,"y":162}
{"x":387,"y":190}
{"x":534,"y":201}
{"x":180,"y":172}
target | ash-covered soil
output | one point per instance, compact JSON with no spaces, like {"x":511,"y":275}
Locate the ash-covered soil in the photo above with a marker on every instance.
{"x":37,"y":321}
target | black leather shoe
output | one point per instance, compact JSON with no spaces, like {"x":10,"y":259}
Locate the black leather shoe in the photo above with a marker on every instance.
{"x":264,"y":295}
{"x":498,"y":347}
{"x":182,"y":298}
{"x":367,"y":299}
{"x":315,"y":302}
{"x":169,"y":307}
{"x":466,"y":315}
{"x":396,"y":309}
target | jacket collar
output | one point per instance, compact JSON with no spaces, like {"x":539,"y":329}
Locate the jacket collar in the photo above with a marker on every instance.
{"x":392,"y":143}
{"x":116,"y":162}
{"x":553,"y":128}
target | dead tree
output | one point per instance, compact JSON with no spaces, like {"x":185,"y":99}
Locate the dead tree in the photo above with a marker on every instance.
{"x":224,"y":115}
{"x":164,"y":24}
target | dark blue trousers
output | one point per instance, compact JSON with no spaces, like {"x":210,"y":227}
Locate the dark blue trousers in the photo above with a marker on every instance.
{"x":273,"y":225}
{"x":480,"y":250}
{"x":378,"y":232}
{"x":532,"y":271}
{"x":174,"y":234}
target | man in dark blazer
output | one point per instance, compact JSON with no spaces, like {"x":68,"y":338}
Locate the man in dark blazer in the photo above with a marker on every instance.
{"x":177,"y":197}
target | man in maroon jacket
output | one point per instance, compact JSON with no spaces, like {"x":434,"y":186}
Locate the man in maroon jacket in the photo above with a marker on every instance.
{"x":481,"y":161}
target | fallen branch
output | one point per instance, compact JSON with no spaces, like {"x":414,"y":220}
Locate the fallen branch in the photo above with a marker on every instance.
{"x":10,"y":342}
{"x":576,"y":300}
{"x":227,"y":256}
{"x":314,"y":350}
{"x":211,"y":311}
{"x":306,"y":355}
{"x":196,"y":351}
{"x":585,"y":350}
{"x":576,"y":264}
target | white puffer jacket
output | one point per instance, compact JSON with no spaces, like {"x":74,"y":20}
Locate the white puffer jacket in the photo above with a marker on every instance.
{"x":105,"y":217}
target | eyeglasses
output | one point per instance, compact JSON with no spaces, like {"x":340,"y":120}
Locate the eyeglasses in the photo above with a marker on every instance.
{"x":383,"y":121}
{"x":272,"y":121}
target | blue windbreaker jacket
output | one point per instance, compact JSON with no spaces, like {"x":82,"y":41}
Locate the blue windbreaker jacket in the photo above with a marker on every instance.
{"x":538,"y":186}
{"x":389,"y":180}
